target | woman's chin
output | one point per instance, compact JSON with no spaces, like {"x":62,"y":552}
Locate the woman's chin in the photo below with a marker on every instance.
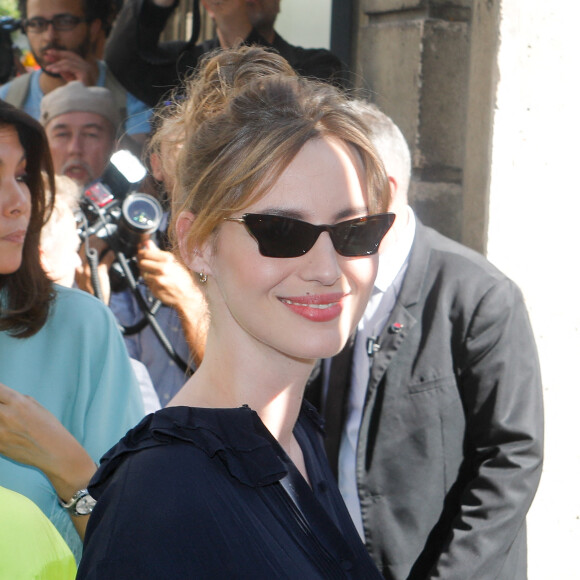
{"x":315,"y":352}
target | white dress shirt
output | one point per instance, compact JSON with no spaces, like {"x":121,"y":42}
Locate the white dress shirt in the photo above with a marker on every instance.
{"x":393,"y":262}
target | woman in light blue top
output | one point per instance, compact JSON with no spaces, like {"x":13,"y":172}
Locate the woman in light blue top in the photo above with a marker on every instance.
{"x":67,"y":389}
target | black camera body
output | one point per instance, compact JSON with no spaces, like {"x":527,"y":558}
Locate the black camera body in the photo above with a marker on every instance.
{"x":7,"y":67}
{"x":123,"y":220}
{"x":122,"y":224}
{"x":116,"y":213}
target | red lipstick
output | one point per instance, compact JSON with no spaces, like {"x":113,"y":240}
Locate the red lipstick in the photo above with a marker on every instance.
{"x":316,"y":307}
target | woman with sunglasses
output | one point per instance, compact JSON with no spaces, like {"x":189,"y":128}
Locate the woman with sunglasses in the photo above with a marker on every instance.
{"x":278,"y":200}
{"x":67,"y":390}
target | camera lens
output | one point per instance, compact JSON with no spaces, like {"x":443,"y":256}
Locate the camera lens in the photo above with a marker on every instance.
{"x":142,"y":212}
{"x":140,"y":216}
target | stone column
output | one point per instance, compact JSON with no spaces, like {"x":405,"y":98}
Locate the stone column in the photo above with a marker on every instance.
{"x":412,"y":60}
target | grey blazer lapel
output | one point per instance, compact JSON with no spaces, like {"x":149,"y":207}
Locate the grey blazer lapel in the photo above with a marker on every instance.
{"x":401,"y":320}
{"x":392,"y":337}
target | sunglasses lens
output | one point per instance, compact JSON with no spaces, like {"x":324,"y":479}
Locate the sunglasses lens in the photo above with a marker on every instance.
{"x":283,"y":237}
{"x":280,"y":237}
{"x":361,"y":236}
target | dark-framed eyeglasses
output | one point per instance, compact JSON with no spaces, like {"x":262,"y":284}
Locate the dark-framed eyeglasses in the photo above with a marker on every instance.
{"x":59,"y":22}
{"x":284,"y":237}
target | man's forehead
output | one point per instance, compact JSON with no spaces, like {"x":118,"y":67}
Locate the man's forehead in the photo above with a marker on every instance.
{"x":48,"y":8}
{"x":80,"y":120}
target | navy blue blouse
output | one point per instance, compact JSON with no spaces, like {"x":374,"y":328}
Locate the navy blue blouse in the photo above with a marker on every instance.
{"x":210,"y":494}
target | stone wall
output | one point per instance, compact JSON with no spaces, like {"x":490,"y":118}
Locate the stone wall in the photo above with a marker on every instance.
{"x":412,"y":60}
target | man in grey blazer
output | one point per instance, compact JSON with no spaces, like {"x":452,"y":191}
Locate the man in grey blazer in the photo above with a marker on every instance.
{"x":434,"y":410}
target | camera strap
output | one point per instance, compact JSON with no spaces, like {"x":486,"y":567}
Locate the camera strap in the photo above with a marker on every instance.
{"x":149,"y":316}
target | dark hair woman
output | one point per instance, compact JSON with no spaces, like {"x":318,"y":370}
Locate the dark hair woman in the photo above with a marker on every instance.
{"x":26,"y":290}
{"x":67,"y":389}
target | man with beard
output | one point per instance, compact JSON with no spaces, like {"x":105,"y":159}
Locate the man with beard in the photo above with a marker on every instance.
{"x":149,"y":69}
{"x":64,"y":36}
{"x":80,"y":124}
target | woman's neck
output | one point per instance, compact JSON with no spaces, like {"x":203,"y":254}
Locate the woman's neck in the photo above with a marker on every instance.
{"x":268,"y":382}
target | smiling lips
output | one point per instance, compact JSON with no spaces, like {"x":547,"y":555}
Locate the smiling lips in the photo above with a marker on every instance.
{"x":318,"y":307}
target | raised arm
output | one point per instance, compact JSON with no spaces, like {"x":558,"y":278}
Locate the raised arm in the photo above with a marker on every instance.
{"x":146,"y":68}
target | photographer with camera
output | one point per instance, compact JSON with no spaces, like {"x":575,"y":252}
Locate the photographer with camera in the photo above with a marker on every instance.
{"x":80,"y":122}
{"x":183,"y":311}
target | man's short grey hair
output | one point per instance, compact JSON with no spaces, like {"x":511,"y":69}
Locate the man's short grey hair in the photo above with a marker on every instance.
{"x":389,"y":143}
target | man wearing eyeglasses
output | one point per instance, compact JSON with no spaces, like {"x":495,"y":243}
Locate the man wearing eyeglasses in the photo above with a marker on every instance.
{"x":64,"y":36}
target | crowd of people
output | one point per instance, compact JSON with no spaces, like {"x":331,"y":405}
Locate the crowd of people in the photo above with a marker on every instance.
{"x":289,"y":375}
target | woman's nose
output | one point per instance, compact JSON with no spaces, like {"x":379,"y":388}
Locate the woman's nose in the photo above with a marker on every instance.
{"x":321,"y":262}
{"x":15,"y":198}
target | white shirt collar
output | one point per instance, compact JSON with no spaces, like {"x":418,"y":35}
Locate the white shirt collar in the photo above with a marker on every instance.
{"x":394,"y":257}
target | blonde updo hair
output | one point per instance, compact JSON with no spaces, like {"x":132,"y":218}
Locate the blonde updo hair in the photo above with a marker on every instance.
{"x":244,"y":117}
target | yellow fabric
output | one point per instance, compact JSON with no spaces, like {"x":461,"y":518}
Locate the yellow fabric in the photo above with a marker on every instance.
{"x":30,"y":546}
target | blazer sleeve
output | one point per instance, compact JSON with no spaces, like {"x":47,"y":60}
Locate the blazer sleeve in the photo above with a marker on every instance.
{"x":499,"y":379}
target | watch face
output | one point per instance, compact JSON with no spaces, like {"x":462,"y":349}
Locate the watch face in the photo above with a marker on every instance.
{"x":85,"y":505}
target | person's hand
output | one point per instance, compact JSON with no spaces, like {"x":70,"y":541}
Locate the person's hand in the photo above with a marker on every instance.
{"x":231,"y":19}
{"x":32,"y":435}
{"x":171,"y":282}
{"x":73,"y":67}
{"x":167,"y":279}
{"x":83,"y":272}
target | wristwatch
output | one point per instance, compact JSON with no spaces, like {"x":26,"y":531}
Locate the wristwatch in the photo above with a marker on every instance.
{"x":80,"y":504}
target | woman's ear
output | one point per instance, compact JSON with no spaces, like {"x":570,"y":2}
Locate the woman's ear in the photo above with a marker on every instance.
{"x":197,"y":259}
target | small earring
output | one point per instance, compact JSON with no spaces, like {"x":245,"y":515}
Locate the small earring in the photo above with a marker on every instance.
{"x":202,"y":277}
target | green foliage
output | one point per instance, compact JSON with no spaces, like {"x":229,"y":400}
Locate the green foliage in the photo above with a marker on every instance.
{"x":9,"y":8}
